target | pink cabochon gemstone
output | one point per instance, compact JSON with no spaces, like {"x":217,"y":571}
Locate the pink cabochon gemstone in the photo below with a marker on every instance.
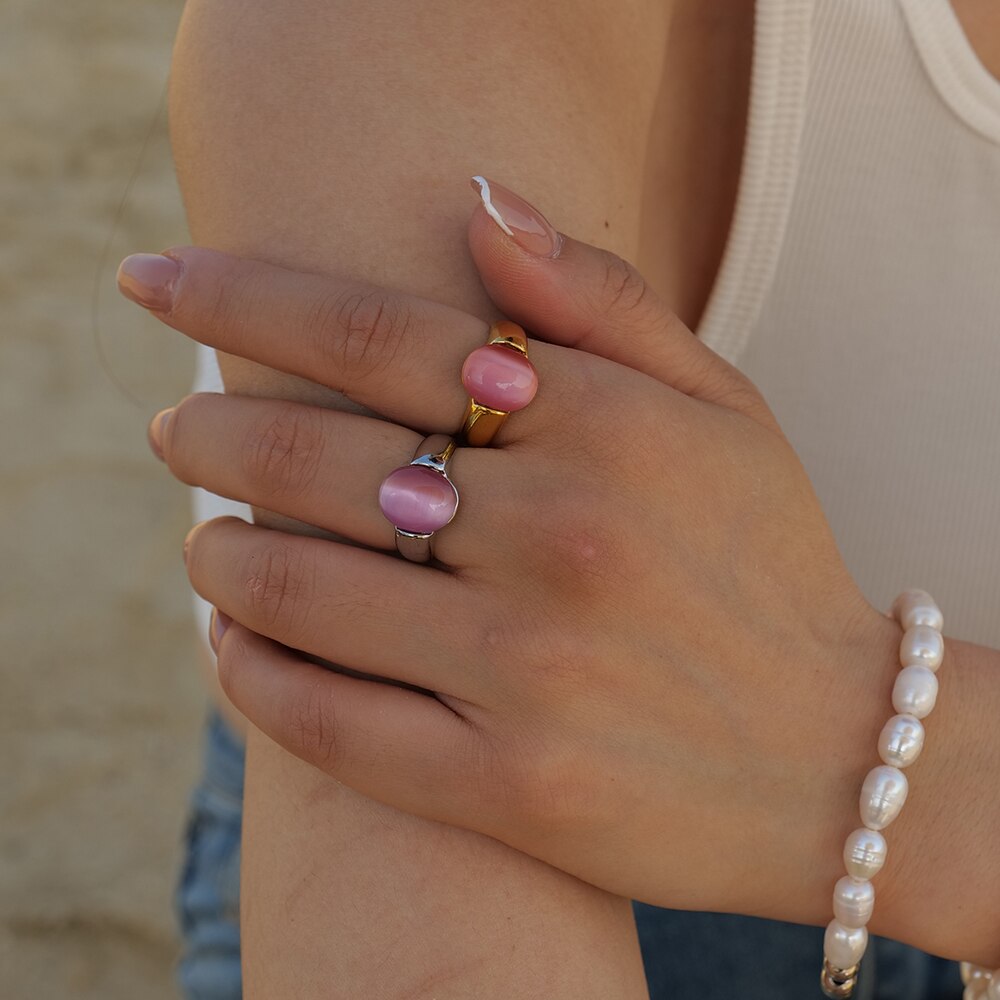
{"x":499,"y":378}
{"x":417,"y":499}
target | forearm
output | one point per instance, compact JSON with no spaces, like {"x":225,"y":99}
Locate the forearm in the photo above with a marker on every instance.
{"x":280,"y":159}
{"x":346,"y":898}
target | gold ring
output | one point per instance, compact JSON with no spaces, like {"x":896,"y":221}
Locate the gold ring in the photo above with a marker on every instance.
{"x":481,"y":422}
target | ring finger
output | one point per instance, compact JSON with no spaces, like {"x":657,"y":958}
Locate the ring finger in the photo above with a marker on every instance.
{"x":324,"y":467}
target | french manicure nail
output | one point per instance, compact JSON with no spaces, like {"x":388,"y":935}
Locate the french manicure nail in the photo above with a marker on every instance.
{"x":522,"y":222}
{"x":157,"y":428}
{"x":220,"y":622}
{"x":149,"y":279}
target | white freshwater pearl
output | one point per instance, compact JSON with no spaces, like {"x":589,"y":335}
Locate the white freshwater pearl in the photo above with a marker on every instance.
{"x":970,"y":971}
{"x":882,"y":796}
{"x":853,"y":901}
{"x":844,"y":946}
{"x":915,"y":691}
{"x":901,"y":740}
{"x":864,"y":853}
{"x":979,"y":982}
{"x":921,"y":646}
{"x":917,"y":607}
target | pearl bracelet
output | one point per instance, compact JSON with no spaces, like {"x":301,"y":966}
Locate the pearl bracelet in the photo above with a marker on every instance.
{"x":980,"y":983}
{"x":884,"y":792}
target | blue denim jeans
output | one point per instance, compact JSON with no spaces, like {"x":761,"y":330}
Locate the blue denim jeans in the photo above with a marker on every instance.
{"x":708,"y":956}
{"x":208,"y":893}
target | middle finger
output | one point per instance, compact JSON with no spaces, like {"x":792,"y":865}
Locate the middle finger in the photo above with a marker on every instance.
{"x":399,"y":355}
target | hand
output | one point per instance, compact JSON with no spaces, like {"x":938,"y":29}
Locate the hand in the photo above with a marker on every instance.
{"x":650,"y":666}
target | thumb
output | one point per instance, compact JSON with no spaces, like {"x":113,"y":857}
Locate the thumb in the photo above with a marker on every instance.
{"x":577,"y":295}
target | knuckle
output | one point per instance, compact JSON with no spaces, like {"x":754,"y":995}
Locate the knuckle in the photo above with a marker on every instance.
{"x":595,"y":413}
{"x":582,"y":548}
{"x":277,"y":582}
{"x":624,"y":289}
{"x":283,"y":453}
{"x":312,"y":729}
{"x":361,"y":332}
{"x":235,"y":299}
{"x":582,"y":553}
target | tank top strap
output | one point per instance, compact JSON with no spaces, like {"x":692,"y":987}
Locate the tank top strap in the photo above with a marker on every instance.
{"x":779,"y":78}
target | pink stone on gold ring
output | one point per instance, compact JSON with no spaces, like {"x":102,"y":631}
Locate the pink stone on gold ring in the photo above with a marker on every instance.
{"x":419,"y":499}
{"x":499,"y":379}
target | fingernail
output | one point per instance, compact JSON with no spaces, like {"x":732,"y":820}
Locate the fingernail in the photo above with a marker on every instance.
{"x":217,"y":629}
{"x":149,"y":279}
{"x":157,"y":428}
{"x":187,"y":542}
{"x":522,"y":222}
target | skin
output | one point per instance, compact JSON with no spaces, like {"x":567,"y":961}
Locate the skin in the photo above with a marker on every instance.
{"x":980,"y":19}
{"x":352,"y":187}
{"x":617,"y":814}
{"x":561,"y":610}
{"x":975,"y":661}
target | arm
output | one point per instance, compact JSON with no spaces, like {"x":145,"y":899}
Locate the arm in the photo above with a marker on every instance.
{"x":338,"y":137}
{"x":620,"y":813}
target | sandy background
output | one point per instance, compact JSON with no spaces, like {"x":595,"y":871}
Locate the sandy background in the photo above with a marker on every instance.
{"x":100,"y":700}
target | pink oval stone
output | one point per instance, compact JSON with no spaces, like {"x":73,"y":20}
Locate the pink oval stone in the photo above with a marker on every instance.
{"x":499,"y":378}
{"x":417,"y":499}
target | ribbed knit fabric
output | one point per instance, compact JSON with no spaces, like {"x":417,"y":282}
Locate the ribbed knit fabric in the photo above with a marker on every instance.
{"x":782,"y":30}
{"x":860,"y":289}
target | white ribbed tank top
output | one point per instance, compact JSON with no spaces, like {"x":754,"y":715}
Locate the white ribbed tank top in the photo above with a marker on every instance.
{"x":860,"y":288}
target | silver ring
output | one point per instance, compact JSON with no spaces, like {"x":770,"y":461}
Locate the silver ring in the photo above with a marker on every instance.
{"x":413,"y":539}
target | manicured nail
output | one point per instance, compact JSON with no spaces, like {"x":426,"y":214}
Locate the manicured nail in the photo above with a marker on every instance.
{"x":522,"y":222}
{"x":149,"y":279}
{"x":187,"y":542}
{"x":220,"y":622}
{"x":157,"y":428}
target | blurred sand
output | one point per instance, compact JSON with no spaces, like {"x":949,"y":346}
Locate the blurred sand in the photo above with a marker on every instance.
{"x":100,"y":700}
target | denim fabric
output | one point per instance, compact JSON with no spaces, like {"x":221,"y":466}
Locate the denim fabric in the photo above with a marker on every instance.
{"x":715,"y":955}
{"x":688,"y":956}
{"x":208,"y":894}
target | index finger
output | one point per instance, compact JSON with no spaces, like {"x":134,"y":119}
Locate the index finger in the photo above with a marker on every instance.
{"x":397,"y":354}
